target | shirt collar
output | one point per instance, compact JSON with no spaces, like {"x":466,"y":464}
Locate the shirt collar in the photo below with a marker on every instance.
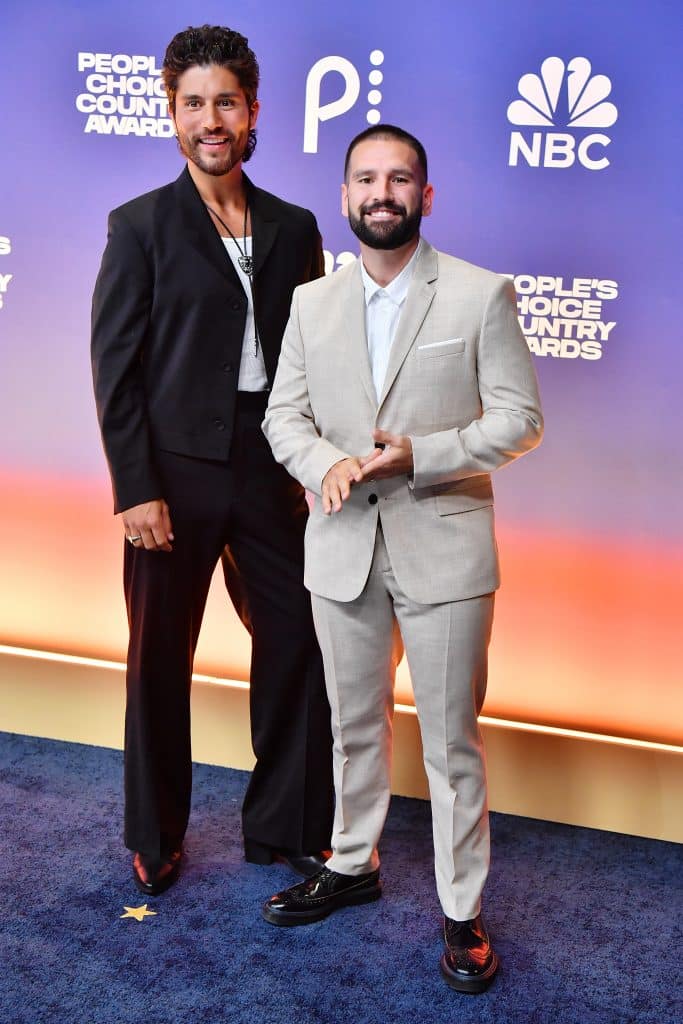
{"x":397,"y":289}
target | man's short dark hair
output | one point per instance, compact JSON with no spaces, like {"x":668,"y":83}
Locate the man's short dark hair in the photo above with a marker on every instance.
{"x":388,"y":131}
{"x":212,"y":44}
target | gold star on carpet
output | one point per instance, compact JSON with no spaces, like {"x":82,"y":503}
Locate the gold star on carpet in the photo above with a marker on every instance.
{"x":139,"y":913}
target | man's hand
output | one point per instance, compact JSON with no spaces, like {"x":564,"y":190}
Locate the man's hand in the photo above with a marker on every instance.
{"x":149,"y":526}
{"x":393,"y":456}
{"x":337,"y":483}
{"x":395,"y":460}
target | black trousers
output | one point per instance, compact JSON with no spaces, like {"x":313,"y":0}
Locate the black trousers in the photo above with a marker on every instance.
{"x":251,"y":505}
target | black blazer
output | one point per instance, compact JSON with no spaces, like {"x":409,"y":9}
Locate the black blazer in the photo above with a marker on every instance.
{"x":168,"y":320}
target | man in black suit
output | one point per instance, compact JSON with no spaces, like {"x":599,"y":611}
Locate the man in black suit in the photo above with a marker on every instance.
{"x":188,"y":314}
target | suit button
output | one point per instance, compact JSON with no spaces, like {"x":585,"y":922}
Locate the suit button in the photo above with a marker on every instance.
{"x":227,"y":367}
{"x":219,"y":424}
{"x":372,"y":499}
{"x":236,"y":306}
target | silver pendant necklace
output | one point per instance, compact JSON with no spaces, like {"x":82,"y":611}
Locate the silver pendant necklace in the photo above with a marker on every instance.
{"x":245,"y":261}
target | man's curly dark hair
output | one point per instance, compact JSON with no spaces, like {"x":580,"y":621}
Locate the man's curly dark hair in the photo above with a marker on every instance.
{"x":212,"y":44}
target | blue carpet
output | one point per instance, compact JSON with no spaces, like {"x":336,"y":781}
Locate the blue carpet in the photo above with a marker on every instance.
{"x":586,"y":922}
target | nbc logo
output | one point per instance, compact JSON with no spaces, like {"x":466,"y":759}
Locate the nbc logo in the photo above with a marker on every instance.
{"x":562,"y":96}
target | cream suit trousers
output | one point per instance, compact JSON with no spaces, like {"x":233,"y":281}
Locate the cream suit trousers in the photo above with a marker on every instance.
{"x":446,"y":647}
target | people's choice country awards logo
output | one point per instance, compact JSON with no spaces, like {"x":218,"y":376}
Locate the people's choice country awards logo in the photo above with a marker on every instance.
{"x":123,"y":94}
{"x":562,"y":97}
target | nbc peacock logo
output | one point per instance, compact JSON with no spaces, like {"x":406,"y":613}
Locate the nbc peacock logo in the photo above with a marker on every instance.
{"x":564,"y":96}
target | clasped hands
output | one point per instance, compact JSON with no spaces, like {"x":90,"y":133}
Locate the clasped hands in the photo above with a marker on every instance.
{"x":395,"y":459}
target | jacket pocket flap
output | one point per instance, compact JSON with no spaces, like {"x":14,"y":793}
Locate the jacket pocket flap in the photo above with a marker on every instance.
{"x":471,"y":494}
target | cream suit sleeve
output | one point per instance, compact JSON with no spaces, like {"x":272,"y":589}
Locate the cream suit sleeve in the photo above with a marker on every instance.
{"x":289,"y":425}
{"x":511,"y":422}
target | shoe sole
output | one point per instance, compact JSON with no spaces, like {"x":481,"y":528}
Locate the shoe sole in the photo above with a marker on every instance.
{"x":290,"y":919}
{"x":471,"y":986}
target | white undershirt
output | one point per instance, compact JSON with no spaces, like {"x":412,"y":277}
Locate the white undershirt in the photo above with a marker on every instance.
{"x":252,"y":376}
{"x":382,"y":311}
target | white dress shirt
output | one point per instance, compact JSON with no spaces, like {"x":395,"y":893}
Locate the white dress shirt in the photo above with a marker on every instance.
{"x":252,"y":367}
{"x":382,"y":311}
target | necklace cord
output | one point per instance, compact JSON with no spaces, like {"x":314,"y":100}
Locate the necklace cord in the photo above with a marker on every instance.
{"x":245,"y":261}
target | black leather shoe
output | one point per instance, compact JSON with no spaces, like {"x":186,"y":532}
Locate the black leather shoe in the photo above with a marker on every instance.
{"x":469,"y":964}
{"x":306,"y":864}
{"x":155,"y":876}
{"x":319,"y":896}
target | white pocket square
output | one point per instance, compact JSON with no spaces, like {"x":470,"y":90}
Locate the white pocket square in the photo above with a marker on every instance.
{"x":440,"y":344}
{"x":434,"y":349}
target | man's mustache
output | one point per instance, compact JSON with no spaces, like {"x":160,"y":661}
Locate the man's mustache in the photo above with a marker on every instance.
{"x":388,"y":205}
{"x":218,"y":133}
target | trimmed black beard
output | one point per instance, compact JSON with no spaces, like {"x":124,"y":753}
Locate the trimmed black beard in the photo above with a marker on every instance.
{"x":386,"y":236}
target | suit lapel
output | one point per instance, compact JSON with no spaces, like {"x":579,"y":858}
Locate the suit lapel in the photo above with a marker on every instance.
{"x":264,"y":228}
{"x":415,"y":309}
{"x":201,"y":233}
{"x":353,"y":316}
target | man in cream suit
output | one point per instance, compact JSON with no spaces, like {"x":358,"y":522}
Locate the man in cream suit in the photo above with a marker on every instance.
{"x":420,"y":355}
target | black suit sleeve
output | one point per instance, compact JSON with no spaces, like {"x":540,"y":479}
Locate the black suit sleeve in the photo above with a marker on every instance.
{"x":121,"y":311}
{"x":318,"y":262}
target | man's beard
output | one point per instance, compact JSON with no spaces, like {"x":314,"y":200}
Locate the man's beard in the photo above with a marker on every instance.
{"x":385,"y":235}
{"x":191,"y":150}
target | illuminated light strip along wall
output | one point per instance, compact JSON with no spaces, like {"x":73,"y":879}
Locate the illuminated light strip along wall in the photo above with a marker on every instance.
{"x":408,"y":709}
{"x":118,"y":666}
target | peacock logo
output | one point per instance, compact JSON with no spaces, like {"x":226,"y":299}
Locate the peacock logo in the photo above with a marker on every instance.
{"x":563,"y":96}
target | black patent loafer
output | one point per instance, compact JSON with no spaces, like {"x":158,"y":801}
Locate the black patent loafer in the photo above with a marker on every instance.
{"x":469,"y":963}
{"x":156,"y":876}
{"x":306,"y":864}
{"x":320,"y":896}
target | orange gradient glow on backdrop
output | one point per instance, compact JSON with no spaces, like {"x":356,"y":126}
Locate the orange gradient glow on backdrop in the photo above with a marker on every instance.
{"x":585,"y":633}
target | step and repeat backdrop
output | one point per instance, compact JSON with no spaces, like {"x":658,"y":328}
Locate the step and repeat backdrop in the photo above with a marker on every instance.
{"x":553,"y":136}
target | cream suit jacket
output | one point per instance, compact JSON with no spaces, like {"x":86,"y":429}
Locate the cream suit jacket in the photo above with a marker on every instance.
{"x":460,"y":382}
